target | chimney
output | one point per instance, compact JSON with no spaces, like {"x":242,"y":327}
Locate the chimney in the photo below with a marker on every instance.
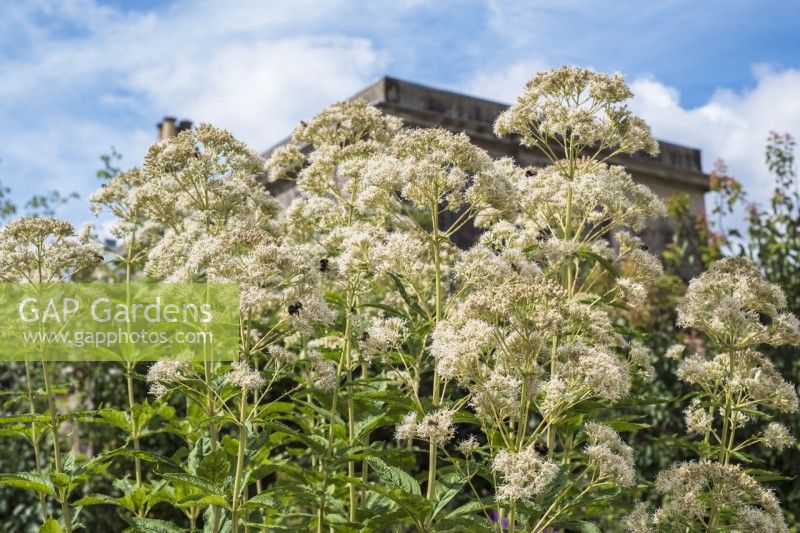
{"x":166,"y":128}
{"x":169,"y":127}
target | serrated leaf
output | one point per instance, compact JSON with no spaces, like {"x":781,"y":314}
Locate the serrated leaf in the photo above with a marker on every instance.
{"x":766,"y":475}
{"x":98,"y":499}
{"x":152,"y":525}
{"x":464,"y":522}
{"x":51,"y":525}
{"x":265,"y":499}
{"x":592,"y":257}
{"x":202,"y":484}
{"x":382,"y":521}
{"x":28,"y":481}
{"x":412,"y":303}
{"x":23,"y":419}
{"x":446,"y":488}
{"x":415,"y":505}
{"x":115,"y":418}
{"x":394,"y":477}
{"x":467,"y":508}
{"x":214,"y":467}
{"x":318,"y":444}
{"x":200,"y":499}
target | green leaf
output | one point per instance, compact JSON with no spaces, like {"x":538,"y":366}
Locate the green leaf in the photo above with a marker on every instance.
{"x":98,"y":499}
{"x":115,"y":418}
{"x":582,"y":526}
{"x":446,"y":488}
{"x":202,"y":484}
{"x":394,"y":477}
{"x":215,"y":467}
{"x":51,"y":525}
{"x":152,"y":525}
{"x":465,"y":522}
{"x":415,"y":505}
{"x":23,"y":419}
{"x":265,"y":500}
{"x":766,"y":475}
{"x":470,"y":507}
{"x":389,"y":397}
{"x":590,"y":256}
{"x":382,"y":521}
{"x":28,"y":481}
{"x":318,"y":445}
{"x":369,"y":424}
{"x":198,"y":499}
{"x":60,"y":480}
{"x":143,"y":455}
{"x":412,"y":303}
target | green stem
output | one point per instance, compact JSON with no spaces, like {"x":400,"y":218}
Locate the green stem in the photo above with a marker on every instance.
{"x":726,"y":420}
{"x":56,"y":446}
{"x":211,"y":410}
{"x":364,"y":464}
{"x":237,"y":480}
{"x":34,"y":436}
{"x":129,"y":374}
{"x":344,"y":362}
{"x":438,"y":316}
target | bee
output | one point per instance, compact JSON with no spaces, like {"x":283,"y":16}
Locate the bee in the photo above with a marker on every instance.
{"x":295,"y":308}
{"x":323,"y":265}
{"x":541,"y":448}
{"x":364,"y":337}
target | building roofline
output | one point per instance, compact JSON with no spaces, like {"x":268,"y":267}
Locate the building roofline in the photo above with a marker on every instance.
{"x":384,"y":81}
{"x":422,"y":105}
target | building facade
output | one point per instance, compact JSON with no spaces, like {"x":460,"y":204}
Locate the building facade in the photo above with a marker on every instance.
{"x":677,"y":169}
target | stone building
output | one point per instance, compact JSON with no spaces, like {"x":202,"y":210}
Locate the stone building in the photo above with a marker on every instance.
{"x":676,"y":169}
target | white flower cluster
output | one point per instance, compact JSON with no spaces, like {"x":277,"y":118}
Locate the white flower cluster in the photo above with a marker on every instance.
{"x":436,"y":428}
{"x":244,"y":377}
{"x":602,"y":198}
{"x":43,"y":250}
{"x":728,"y":303}
{"x":321,"y":373}
{"x":163,"y":373}
{"x":578,"y":104}
{"x":594,"y":369}
{"x":777,"y":436}
{"x":382,"y":336}
{"x":458,"y":348}
{"x":693,"y":491}
{"x":609,"y":455}
{"x":525,"y":473}
{"x":698,"y":419}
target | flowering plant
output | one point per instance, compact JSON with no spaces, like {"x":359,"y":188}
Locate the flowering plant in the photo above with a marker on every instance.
{"x":391,"y":375}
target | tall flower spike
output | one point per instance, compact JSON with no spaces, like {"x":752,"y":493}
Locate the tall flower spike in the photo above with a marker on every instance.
{"x":205,"y":173}
{"x":728,"y":301}
{"x":580,"y":106}
{"x":439,"y":168}
{"x":43,"y":250}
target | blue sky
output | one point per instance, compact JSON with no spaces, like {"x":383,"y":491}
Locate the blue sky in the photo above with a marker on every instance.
{"x":80,"y":76}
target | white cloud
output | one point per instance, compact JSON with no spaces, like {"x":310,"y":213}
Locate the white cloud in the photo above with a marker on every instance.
{"x":260,"y":90}
{"x":732,"y":125}
{"x":504,"y":85}
{"x":83,"y":77}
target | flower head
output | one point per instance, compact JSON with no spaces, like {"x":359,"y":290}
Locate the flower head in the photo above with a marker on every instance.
{"x":524,"y":474}
{"x":244,"y":377}
{"x":546,"y":111}
{"x":777,"y":436}
{"x":609,"y":455}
